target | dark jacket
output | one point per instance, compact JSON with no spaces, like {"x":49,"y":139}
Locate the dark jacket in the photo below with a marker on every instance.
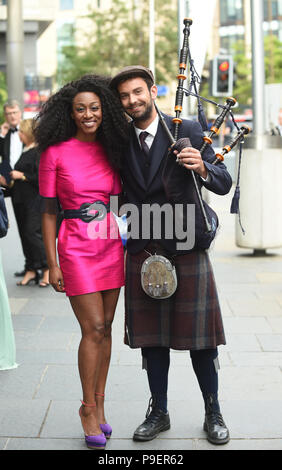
{"x":27,"y":191}
{"x":139,"y":192}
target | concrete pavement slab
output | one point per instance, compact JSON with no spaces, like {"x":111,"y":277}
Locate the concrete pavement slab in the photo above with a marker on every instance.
{"x":22,"y":417}
{"x":276,"y":324}
{"x":21,"y":383}
{"x":270,"y":342}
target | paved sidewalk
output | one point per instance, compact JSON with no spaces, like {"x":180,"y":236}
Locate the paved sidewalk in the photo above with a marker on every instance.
{"x":39,"y":400}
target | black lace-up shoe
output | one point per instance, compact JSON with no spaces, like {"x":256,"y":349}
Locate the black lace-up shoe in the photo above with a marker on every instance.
{"x":214,"y":424}
{"x":156,"y":421}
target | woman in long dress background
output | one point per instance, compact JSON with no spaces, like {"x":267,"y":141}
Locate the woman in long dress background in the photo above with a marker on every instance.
{"x":7,"y":338}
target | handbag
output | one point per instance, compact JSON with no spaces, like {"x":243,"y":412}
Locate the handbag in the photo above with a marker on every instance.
{"x":158,"y":277}
{"x":4,"y":222}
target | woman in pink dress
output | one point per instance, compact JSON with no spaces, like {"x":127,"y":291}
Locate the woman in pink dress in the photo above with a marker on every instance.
{"x":82,"y":132}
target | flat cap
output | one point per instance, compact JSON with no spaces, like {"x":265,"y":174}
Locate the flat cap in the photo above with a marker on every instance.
{"x":128,"y":72}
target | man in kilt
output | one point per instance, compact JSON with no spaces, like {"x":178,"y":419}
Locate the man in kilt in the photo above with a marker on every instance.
{"x":191,"y":318}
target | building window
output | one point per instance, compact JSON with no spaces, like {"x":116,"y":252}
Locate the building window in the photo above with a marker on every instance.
{"x":272,"y":9}
{"x":65,"y":37}
{"x":231,"y":11}
{"x":65,"y":34}
{"x":66,"y":4}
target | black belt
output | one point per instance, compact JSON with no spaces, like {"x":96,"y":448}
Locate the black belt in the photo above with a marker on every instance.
{"x":83,"y":213}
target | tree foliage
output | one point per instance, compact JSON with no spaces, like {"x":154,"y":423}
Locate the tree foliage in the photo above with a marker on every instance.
{"x":243,"y":67}
{"x":119,"y":36}
{"x":273,"y":59}
{"x":3,"y":95}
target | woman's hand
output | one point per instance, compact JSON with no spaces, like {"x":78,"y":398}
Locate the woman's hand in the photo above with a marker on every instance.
{"x":56,"y":279}
{"x":16,"y":175}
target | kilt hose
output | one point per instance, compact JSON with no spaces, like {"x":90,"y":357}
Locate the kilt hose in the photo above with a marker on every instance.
{"x":188,"y":320}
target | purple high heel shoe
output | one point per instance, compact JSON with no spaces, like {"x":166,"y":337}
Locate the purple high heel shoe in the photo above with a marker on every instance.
{"x":105,"y":428}
{"x":94,"y":442}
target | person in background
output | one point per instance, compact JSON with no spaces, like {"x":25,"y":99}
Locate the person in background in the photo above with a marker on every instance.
{"x":7,"y":338}
{"x":277,"y":130}
{"x":10,"y":150}
{"x":25,"y":197}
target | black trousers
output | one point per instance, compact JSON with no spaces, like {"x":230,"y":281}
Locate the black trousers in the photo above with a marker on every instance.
{"x":204,"y":363}
{"x":29,"y":226}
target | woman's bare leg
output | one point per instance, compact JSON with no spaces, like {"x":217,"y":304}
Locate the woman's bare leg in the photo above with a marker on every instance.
{"x":89,"y":311}
{"x":110,"y":298}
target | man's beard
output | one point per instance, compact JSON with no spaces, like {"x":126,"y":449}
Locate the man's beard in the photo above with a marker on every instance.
{"x":146,"y":115}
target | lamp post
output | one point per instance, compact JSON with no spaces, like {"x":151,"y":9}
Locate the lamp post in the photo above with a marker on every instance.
{"x":258,"y":67}
{"x":152,"y":36}
{"x":14,"y":47}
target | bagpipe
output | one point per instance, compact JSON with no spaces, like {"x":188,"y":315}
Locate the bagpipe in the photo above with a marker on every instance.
{"x":185,"y":187}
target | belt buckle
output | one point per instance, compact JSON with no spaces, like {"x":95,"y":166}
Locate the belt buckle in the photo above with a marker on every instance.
{"x":98,"y":206}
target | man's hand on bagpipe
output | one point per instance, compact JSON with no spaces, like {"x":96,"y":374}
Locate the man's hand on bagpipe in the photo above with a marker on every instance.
{"x":191,"y":159}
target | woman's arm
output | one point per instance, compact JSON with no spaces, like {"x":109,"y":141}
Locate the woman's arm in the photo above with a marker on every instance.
{"x":49,"y":238}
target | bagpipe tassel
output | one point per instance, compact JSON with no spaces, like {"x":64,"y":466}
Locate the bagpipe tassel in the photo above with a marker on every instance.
{"x":234,"y":209}
{"x":235,"y":201}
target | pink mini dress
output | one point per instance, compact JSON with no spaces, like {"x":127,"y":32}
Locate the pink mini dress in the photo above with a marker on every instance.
{"x":91,"y":254}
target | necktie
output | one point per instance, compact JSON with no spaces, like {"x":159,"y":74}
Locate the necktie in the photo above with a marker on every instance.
{"x":146,"y":150}
{"x":14,"y":130}
{"x":144,"y":146}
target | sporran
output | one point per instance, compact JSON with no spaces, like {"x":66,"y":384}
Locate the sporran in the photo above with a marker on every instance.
{"x":158,"y":277}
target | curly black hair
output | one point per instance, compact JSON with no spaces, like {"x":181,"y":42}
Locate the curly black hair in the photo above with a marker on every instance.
{"x":54,"y":123}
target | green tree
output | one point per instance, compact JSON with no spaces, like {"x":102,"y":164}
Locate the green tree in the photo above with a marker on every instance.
{"x":119,"y":36}
{"x":3,"y":95}
{"x":273,"y":59}
{"x":242,"y":74}
{"x":243,"y":67}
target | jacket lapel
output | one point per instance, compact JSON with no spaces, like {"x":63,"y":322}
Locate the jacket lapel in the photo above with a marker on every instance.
{"x":6,"y":149}
{"x":132,"y":159}
{"x":159,"y":149}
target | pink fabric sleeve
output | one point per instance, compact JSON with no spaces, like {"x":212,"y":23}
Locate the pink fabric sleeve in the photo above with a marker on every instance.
{"x":117,"y":188}
{"x":47,"y":173}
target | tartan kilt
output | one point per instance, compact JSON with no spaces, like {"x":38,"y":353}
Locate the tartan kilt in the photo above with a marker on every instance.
{"x":188,"y":320}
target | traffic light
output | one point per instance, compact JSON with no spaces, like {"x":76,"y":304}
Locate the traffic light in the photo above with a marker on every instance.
{"x":222,"y":76}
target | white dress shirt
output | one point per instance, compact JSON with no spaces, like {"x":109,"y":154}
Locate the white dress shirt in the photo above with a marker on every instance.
{"x":151,"y":129}
{"x":16,"y":148}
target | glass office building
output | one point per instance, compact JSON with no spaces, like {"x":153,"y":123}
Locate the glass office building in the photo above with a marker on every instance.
{"x":234,"y":19}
